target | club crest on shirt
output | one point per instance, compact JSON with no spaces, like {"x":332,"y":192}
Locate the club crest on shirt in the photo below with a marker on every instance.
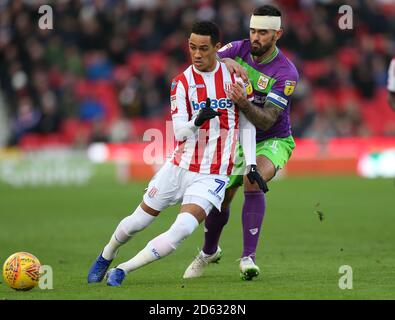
{"x":289,"y":87}
{"x":263,"y":81}
{"x":152,"y":192}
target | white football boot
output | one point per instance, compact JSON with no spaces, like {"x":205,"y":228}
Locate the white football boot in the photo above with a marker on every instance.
{"x":195,"y":269}
{"x":248,"y":268}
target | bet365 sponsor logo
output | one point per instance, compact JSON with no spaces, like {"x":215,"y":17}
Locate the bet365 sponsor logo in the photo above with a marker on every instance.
{"x":223,"y":103}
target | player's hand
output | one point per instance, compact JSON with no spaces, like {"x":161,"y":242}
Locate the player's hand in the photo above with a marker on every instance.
{"x":206,"y":113}
{"x":253,"y":176}
{"x":236,"y":68}
{"x":237,"y":95}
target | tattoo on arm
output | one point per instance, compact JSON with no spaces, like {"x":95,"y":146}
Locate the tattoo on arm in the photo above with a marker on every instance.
{"x":262,"y":118}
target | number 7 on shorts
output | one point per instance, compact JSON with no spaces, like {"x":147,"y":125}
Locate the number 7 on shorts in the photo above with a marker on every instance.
{"x":221,"y":185}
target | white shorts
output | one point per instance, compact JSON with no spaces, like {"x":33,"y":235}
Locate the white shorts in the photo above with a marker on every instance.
{"x":171,"y":184}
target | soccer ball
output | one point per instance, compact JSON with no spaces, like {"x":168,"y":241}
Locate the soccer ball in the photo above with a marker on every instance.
{"x":21,"y":271}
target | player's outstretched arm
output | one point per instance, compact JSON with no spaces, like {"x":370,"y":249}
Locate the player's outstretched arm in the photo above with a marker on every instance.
{"x":248,"y":143}
{"x":247,"y":138}
{"x":262,"y":118}
{"x":183,"y":128}
{"x":235,"y":67}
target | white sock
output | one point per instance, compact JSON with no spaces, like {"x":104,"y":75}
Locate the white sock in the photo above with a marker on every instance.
{"x":126,"y":229}
{"x":163,"y":244}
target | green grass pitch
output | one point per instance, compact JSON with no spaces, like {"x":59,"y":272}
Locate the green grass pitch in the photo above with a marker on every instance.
{"x":299,"y":255}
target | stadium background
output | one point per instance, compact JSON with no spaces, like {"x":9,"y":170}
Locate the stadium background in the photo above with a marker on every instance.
{"x":75,"y":102}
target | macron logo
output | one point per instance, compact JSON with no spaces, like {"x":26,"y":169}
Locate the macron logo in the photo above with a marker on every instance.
{"x":254,"y":231}
{"x":156,"y":254}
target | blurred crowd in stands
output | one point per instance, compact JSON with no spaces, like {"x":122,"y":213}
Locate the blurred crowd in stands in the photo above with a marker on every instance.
{"x":103,"y":73}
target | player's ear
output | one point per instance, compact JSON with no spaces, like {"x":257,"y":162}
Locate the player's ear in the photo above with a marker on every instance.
{"x":218,"y":46}
{"x":279,"y":33}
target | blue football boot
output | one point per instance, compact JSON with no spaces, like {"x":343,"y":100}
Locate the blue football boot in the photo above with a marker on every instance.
{"x":115,"y":277}
{"x":98,"y":269}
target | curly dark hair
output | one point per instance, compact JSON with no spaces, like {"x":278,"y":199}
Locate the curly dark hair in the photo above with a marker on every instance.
{"x":207,"y":28}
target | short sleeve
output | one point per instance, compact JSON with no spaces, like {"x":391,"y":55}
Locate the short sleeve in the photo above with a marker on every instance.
{"x":283,"y":89}
{"x":229,"y":50}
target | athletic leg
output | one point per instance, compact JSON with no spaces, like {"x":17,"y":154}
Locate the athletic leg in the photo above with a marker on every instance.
{"x":187,"y":221}
{"x":252,"y":217}
{"x":159,"y":195}
{"x":127,"y":228}
{"x":254,"y":207}
{"x":215,"y":222}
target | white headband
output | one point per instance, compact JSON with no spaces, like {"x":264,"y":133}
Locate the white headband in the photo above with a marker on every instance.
{"x":265,"y":22}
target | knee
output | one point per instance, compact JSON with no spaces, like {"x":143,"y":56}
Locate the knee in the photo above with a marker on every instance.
{"x":219,"y":218}
{"x":229,"y":194}
{"x":225,"y":205}
{"x":131,"y":225}
{"x":168,"y":241}
{"x":182,"y":228}
{"x":176,"y":234}
{"x":180,"y":231}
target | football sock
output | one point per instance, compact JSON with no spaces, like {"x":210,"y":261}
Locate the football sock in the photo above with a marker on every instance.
{"x":252,"y":217}
{"x":214,"y":224}
{"x":163,"y":244}
{"x":125,"y":230}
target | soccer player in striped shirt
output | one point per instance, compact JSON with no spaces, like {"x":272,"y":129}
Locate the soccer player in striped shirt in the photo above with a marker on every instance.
{"x":391,"y":84}
{"x":273,"y":78}
{"x":207,"y":125}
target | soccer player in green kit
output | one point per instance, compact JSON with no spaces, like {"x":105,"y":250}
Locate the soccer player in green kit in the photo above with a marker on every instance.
{"x":273,"y":78}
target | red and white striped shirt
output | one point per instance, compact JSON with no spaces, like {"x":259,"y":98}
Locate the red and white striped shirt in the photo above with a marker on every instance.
{"x":391,"y":76}
{"x":209,"y":148}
